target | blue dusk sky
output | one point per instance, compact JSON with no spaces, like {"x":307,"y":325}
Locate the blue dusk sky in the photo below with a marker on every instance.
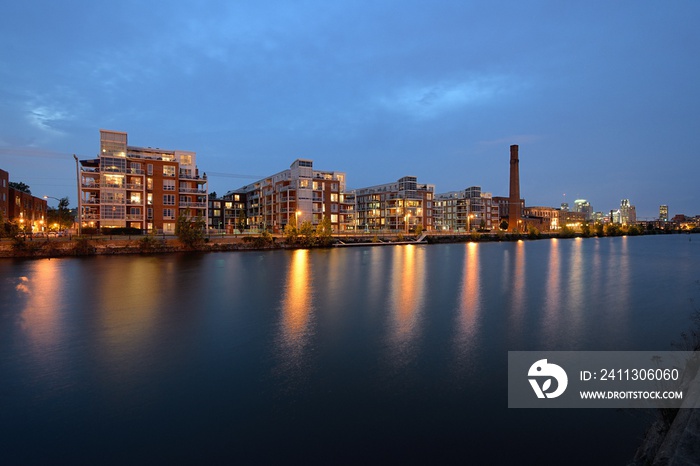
{"x":601,"y":96}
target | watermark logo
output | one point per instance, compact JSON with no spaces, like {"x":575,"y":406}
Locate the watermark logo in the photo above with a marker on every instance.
{"x":546,"y":372}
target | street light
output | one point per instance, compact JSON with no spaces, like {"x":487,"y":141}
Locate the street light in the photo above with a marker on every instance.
{"x":51,"y":197}
{"x":469,"y":218}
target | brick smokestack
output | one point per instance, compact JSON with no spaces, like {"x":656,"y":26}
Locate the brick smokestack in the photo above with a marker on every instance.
{"x":514,"y":214}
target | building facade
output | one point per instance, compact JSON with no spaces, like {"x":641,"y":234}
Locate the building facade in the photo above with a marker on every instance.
{"x":140,"y":187}
{"x":26,"y":211}
{"x":663,"y":213}
{"x":549,"y":217}
{"x":399,"y":206}
{"x":466,"y":210}
{"x":628,"y":213}
{"x":4,"y":194}
{"x":298,"y":194}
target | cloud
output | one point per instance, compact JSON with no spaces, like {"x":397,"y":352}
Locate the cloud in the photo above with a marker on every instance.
{"x":433,"y":100}
{"x":45,"y":117}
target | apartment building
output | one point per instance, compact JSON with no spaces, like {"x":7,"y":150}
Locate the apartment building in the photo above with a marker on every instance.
{"x":399,"y":206}
{"x":140,"y":187}
{"x":466,"y":210}
{"x":27,"y":211}
{"x":298,"y":194}
{"x":4,"y":193}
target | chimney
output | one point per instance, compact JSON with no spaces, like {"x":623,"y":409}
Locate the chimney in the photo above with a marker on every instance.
{"x":514,"y":214}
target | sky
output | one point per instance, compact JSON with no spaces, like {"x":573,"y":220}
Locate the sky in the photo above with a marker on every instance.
{"x":602,"y":97}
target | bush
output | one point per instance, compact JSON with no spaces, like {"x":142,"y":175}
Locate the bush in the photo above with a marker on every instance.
{"x":150,"y":243}
{"x":83,"y":247}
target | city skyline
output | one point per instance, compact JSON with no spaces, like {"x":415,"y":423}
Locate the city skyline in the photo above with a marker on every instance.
{"x":599,"y":97}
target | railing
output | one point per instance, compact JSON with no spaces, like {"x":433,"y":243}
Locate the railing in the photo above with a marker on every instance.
{"x":135,"y":201}
{"x":90,"y":201}
{"x":90,"y":185}
{"x":200,"y":205}
{"x":138,"y":187}
{"x":112,"y":201}
{"x":193,"y":190}
{"x":135,"y":171}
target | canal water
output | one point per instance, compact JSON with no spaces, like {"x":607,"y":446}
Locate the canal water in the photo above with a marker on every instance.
{"x":342,"y":356}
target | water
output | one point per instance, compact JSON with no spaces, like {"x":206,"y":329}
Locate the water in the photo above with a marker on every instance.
{"x":357,"y":355}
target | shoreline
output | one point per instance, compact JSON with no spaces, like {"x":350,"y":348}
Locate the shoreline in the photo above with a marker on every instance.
{"x":40,"y":248}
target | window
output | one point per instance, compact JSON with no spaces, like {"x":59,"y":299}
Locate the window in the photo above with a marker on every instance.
{"x":168,"y":170}
{"x":149,"y":183}
{"x":168,"y":199}
{"x":169,"y":214}
{"x":334,"y":218}
{"x":334,"y":197}
{"x":168,"y":185}
{"x":186,"y":159}
{"x":169,"y":227}
{"x":149,"y":169}
{"x":149,"y":198}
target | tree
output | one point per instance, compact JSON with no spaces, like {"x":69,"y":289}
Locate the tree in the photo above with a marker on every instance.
{"x":504,"y":225}
{"x":290,"y":230}
{"x":60,"y":217}
{"x":19,"y":186}
{"x":190,"y":231}
{"x":306,"y":231}
{"x":324,"y":232}
{"x":212,"y":195}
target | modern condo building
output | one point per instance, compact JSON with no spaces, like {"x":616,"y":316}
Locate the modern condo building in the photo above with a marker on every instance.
{"x":300,"y":193}
{"x":139,"y":187}
{"x":399,"y":206}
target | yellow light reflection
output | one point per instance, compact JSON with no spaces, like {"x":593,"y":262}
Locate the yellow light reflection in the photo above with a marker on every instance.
{"x":553,"y":302}
{"x":129,"y":299}
{"x":470,"y":302}
{"x":406,"y":296}
{"x":39,"y":318}
{"x":518,"y":278}
{"x":296,"y":305}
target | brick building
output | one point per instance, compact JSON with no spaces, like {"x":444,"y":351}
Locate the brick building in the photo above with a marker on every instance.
{"x":139,"y":187}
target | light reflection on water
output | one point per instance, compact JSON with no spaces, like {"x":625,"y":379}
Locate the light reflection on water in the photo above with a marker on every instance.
{"x":297,"y":309}
{"x":348,"y":346}
{"x":406,"y":292}
{"x":470,"y":303}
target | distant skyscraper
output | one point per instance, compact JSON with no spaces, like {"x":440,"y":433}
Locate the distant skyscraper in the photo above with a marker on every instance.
{"x":583,"y":206}
{"x":628,"y":213}
{"x":663,"y":213}
{"x":564,"y":206}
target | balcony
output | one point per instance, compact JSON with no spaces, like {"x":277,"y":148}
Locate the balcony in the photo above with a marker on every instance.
{"x":196,"y":205}
{"x":134,"y":201}
{"x":193,"y":190}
